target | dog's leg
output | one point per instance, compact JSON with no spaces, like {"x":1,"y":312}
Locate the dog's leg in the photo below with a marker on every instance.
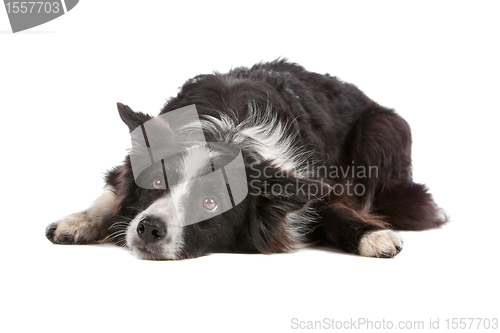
{"x":368,"y":236}
{"x":86,"y":226}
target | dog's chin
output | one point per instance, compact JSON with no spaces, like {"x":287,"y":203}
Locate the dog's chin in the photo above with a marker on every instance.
{"x":145,"y":254}
{"x":149,"y":251}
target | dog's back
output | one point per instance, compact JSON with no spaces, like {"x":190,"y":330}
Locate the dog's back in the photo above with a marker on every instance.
{"x":345,"y":133}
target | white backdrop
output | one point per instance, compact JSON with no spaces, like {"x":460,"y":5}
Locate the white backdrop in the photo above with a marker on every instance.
{"x":436,"y":63}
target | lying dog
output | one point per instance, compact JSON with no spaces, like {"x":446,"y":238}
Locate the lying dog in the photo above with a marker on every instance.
{"x":295,"y":132}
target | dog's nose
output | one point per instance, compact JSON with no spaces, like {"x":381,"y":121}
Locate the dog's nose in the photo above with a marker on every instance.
{"x":151,"y":229}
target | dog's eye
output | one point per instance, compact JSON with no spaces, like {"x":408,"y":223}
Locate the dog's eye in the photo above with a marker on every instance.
{"x":158,"y":183}
{"x":210,"y":204}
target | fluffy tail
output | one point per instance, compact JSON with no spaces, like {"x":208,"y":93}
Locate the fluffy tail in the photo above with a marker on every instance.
{"x":409,"y":207}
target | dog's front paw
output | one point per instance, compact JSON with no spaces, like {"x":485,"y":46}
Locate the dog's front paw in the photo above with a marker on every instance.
{"x":380,"y":244}
{"x":73,"y":229}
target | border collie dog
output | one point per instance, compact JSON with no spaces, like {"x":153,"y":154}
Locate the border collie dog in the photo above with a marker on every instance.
{"x":323,"y":165}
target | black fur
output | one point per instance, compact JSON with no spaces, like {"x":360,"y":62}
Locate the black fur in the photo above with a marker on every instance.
{"x":334,"y":121}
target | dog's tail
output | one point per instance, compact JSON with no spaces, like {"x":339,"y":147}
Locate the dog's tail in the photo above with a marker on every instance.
{"x":409,"y":207}
{"x":382,"y":139}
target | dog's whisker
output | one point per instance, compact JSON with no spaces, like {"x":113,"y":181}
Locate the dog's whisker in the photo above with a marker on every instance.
{"x":114,"y":235}
{"x":138,"y":209}
{"x":124,"y":217}
{"x":117,"y":224}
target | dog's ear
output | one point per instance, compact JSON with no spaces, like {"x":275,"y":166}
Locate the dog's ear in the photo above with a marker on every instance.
{"x":284,"y":186}
{"x":130,"y":118}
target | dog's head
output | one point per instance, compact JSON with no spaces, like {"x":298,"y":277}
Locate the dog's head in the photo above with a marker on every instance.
{"x":202,"y":197}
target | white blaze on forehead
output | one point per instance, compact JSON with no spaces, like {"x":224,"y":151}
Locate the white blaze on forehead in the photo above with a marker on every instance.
{"x":195,"y":160}
{"x":178,"y":196}
{"x":162,"y":208}
{"x":170,"y":207}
